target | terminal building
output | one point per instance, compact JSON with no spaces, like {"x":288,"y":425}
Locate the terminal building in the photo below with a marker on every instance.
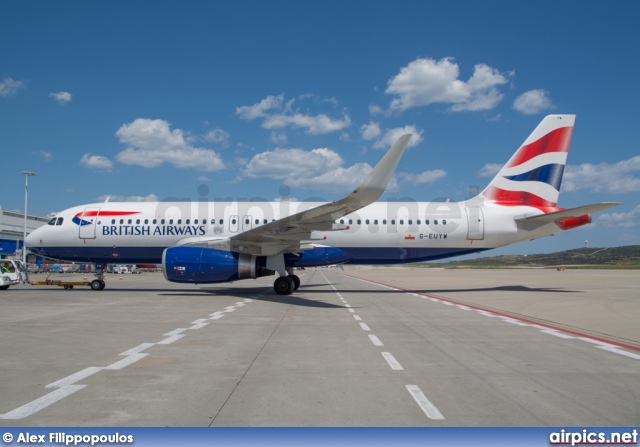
{"x":12,"y":231}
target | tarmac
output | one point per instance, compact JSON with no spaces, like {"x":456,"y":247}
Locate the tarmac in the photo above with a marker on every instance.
{"x":363,"y":347}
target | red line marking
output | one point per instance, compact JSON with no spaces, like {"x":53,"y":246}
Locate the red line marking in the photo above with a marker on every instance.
{"x":566,"y":331}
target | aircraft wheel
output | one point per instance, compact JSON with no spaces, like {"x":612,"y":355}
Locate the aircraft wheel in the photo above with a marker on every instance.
{"x":284,"y":285}
{"x":66,"y":287}
{"x":97,"y":284}
{"x":4,"y":287}
{"x":296,"y":281}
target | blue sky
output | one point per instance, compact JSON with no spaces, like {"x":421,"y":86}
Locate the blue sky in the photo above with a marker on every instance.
{"x":153,"y":99}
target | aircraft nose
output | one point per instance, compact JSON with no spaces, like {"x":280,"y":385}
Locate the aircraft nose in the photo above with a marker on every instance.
{"x":33,"y":238}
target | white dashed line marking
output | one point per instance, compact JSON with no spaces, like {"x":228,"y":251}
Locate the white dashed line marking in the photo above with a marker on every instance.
{"x":425,"y":404}
{"x":128,"y":360}
{"x":73,"y":378}
{"x":180,"y":330}
{"x":364,"y":327}
{"x":43,"y":402}
{"x":169,"y":340}
{"x":132,"y":355}
{"x":393,"y":363}
{"x":375,"y":340}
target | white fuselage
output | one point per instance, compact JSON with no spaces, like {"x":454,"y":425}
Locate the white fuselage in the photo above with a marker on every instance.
{"x":383,"y":232}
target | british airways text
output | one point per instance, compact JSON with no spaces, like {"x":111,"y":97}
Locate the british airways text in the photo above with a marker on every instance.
{"x":147,"y":230}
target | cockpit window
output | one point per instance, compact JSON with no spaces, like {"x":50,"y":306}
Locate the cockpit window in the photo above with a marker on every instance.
{"x":59,"y":222}
{"x":52,"y":221}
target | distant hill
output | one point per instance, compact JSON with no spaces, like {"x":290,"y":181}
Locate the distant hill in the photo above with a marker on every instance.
{"x":613,"y":257}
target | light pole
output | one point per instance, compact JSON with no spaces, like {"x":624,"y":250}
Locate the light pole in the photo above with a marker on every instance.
{"x":27,"y":174}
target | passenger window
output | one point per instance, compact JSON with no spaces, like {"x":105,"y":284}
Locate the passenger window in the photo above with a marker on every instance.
{"x":367,"y":221}
{"x":195,"y":222}
{"x":146,"y":221}
{"x":121,"y":221}
{"x":350,"y":221}
{"x":435,"y":221}
{"x":341,"y":221}
{"x":384,"y":221}
{"x":359,"y":221}
{"x":265,"y":221}
{"x":179,"y":221}
{"x":257,"y":221}
{"x":186,"y":222}
{"x":410,"y":222}
{"x":418,"y":221}
{"x":113,"y":221}
{"x":401,"y":221}
{"x":393,"y":221}
{"x":59,"y":222}
{"x":162,"y":221}
{"x":170,"y":221}
{"x":444,"y":221}
{"x":246,"y":221}
{"x":233,"y":222}
{"x":129,"y":222}
{"x":137,"y":221}
{"x":375,"y":222}
{"x":426,"y":222}
{"x":155,"y":221}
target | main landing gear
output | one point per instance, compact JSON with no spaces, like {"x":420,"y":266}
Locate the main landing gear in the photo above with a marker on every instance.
{"x":285,"y":285}
{"x":98,"y":283}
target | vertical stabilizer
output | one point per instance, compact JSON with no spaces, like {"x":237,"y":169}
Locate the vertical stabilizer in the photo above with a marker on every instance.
{"x":533,"y":175}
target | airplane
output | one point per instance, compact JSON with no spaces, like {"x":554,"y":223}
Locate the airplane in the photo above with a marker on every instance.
{"x":203,"y":242}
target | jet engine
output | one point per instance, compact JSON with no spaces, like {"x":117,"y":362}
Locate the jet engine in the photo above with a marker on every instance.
{"x":209,"y":265}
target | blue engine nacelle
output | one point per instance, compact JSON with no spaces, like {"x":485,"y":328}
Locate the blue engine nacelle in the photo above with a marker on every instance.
{"x":210,"y":265}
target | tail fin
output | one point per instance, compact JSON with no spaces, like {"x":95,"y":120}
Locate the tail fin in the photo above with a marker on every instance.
{"x":533,"y":175}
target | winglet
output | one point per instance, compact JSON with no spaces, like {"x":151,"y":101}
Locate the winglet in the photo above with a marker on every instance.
{"x":376,"y":182}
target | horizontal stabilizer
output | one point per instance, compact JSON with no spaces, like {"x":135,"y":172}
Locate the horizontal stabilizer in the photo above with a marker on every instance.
{"x":566,"y":214}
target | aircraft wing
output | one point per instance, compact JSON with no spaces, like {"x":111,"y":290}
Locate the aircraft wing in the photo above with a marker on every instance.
{"x":291,"y":233}
{"x":542,"y":219}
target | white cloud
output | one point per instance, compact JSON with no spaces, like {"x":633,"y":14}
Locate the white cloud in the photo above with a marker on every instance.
{"x":371,"y":131}
{"x":490,"y":170}
{"x":278,"y":137}
{"x":318,"y":170}
{"x":276,"y":115}
{"x":61,"y":97}
{"x":375,"y":110}
{"x":117,"y":198}
{"x":152,"y":143}
{"x":426,"y":177}
{"x":603,"y":177}
{"x":96,"y":162}
{"x":533,"y":102}
{"x":46,"y":155}
{"x":218,"y":136}
{"x":624,"y":220}
{"x":9,"y":86}
{"x":390,"y":136}
{"x":426,"y":81}
{"x":259,"y":110}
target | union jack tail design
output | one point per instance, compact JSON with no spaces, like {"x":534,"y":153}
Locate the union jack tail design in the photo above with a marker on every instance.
{"x":533,"y":175}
